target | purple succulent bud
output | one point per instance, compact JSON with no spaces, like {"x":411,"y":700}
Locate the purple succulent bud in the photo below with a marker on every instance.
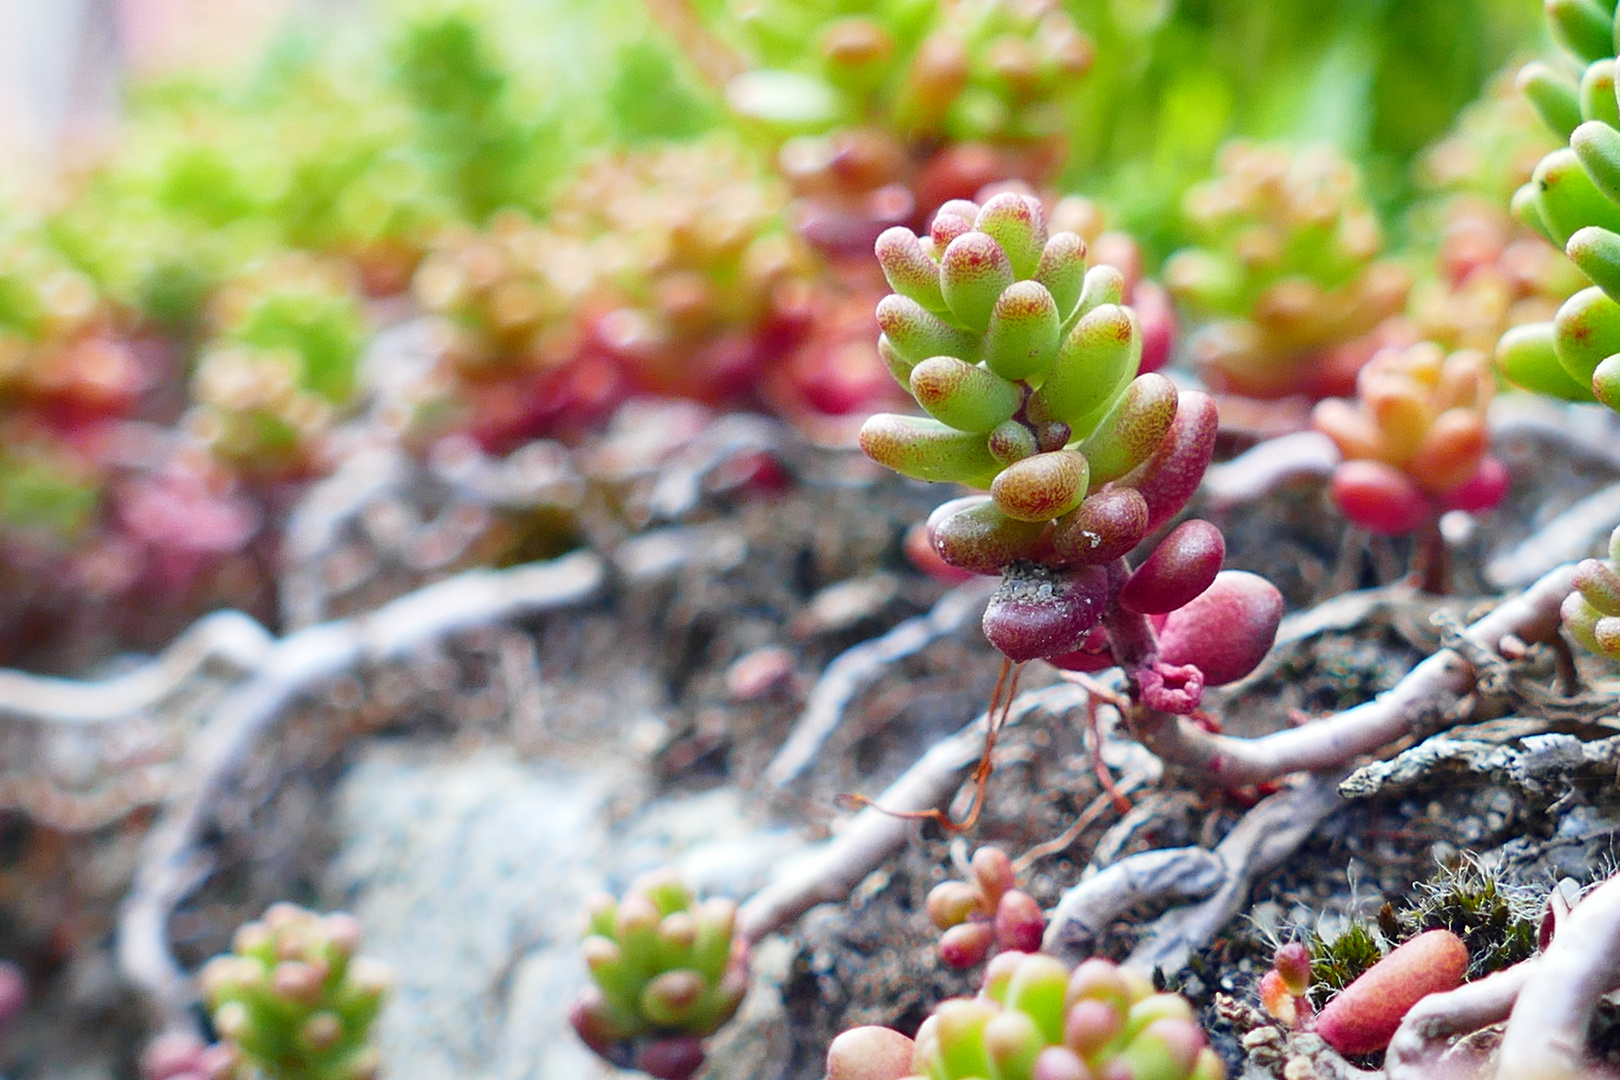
{"x":1104,"y":527}
{"x":1227,"y":630}
{"x":1169,"y":478}
{"x":1379,"y":497}
{"x":1180,"y":568}
{"x":1293,"y":964}
{"x":1019,"y":922}
{"x":966,"y":944}
{"x":1040,"y":612}
{"x":674,"y":1058}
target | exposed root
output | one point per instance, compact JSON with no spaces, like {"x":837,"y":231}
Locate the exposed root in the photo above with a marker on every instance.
{"x":1268,"y":466}
{"x":1428,"y":692}
{"x":856,"y":668}
{"x":173,"y":860}
{"x":1577,"y":533}
{"x":1266,"y":837}
{"x":1085,"y":912}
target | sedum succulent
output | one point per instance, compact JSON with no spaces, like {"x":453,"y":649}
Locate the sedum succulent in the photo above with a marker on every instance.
{"x":664,"y":270}
{"x":1288,"y":274}
{"x":281,"y":362}
{"x":987,"y":913}
{"x":292,"y":1001}
{"x":666,"y":972}
{"x":1034,"y":1019}
{"x":898,"y":106}
{"x":1573,"y":200}
{"x":1026,"y":363}
{"x":1592,"y":611}
{"x":1415,"y":441}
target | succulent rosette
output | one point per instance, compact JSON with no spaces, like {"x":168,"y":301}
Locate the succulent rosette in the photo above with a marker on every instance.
{"x":666,"y":971}
{"x":293,"y":1001}
{"x":1415,"y":440}
{"x":1592,"y":611}
{"x":897,"y":107}
{"x":1573,"y":200}
{"x":280,"y":365}
{"x":1026,"y":363}
{"x":1034,"y":1019}
{"x":1288,"y":273}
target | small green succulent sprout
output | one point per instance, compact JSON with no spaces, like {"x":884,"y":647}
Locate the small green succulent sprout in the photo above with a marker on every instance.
{"x":292,"y":1001}
{"x":1592,"y":611}
{"x":667,"y":971}
{"x":1034,"y":1019}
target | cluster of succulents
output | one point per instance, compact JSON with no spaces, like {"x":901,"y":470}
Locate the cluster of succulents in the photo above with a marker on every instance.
{"x":664,"y":270}
{"x":987,"y":913}
{"x":281,"y":362}
{"x":1026,"y":362}
{"x":1573,"y":200}
{"x":1288,"y":277}
{"x":1493,"y":275}
{"x":1034,"y":1019}
{"x":1592,"y":611}
{"x":897,"y":107}
{"x":293,"y":1001}
{"x":1415,"y":440}
{"x":666,"y":971}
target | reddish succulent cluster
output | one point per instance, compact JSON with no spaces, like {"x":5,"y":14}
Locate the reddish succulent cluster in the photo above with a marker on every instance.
{"x":1289,"y":272}
{"x":1415,"y":440}
{"x":1592,"y":611}
{"x":666,"y":972}
{"x":1034,"y":1019}
{"x":901,"y":107}
{"x":989,"y":913}
{"x":1027,"y":363}
{"x":662,"y":271}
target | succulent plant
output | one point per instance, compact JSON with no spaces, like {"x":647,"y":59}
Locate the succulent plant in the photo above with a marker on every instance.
{"x":292,"y":1001}
{"x":1288,"y":275}
{"x":1592,"y":611}
{"x":1573,"y":200}
{"x":1415,"y":441}
{"x":1034,"y":1019}
{"x":988,"y":913}
{"x":1026,"y":363}
{"x":666,"y":971}
{"x":898,"y":106}
{"x":281,"y":362}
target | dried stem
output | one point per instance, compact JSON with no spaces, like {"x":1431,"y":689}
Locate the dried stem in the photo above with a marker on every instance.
{"x":853,"y":670}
